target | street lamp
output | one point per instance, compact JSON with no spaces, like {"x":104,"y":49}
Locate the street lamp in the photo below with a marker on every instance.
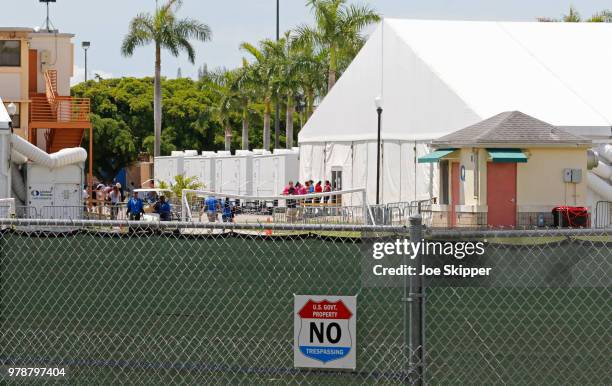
{"x":277,"y":107}
{"x":86,"y":46}
{"x":378,"y":101}
{"x":11,"y":109}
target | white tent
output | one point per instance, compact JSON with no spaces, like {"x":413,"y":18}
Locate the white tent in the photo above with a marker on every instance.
{"x":436,"y":77}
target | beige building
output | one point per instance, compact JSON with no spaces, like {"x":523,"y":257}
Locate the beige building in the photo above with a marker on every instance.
{"x":35,"y":72}
{"x":508,"y":170}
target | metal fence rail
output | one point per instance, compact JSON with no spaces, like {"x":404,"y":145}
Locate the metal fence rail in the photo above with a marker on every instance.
{"x":200,"y":303}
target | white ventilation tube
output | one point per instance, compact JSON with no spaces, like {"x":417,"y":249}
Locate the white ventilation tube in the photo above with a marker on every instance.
{"x":18,"y":185}
{"x":603,"y":170}
{"x":605,"y":152}
{"x":599,"y":186}
{"x":63,"y":157}
{"x":18,"y":158}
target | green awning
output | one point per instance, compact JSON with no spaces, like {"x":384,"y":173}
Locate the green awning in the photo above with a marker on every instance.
{"x":507,"y":155}
{"x":435,"y":156}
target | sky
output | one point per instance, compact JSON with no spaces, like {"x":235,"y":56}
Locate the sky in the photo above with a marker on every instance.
{"x":105,"y":23}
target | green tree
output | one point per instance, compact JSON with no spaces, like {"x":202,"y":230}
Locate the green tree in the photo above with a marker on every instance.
{"x":182,"y":183}
{"x":223,"y":84}
{"x":337,"y":31}
{"x":286,"y":78}
{"x":265,"y":68}
{"x":311,"y":77}
{"x":165,"y":31}
{"x":114,"y":147}
{"x":573,"y":16}
{"x":245,"y":87}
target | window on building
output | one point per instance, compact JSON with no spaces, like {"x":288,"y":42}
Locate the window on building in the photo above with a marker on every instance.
{"x":10,"y":53}
{"x":17,"y":117}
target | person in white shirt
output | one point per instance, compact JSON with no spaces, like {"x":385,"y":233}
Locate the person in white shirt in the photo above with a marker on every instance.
{"x":116,"y":199}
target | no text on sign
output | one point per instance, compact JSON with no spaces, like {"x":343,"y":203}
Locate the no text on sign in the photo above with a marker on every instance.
{"x":325,"y":332}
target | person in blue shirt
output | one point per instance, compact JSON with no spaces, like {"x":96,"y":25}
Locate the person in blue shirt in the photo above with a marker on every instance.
{"x":228,"y":211}
{"x":211,"y":206}
{"x":135,"y":207}
{"x":163,"y":208}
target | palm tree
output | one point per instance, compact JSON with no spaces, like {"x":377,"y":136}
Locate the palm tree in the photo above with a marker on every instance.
{"x":311,"y":74}
{"x":604,"y":16}
{"x":264,"y":70}
{"x":337,"y":31}
{"x":245,"y":89}
{"x":165,"y":31}
{"x":286,"y":78}
{"x":223,"y":85}
{"x":573,"y":16}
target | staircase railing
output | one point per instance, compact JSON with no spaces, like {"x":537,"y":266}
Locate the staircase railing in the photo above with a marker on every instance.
{"x":55,"y":108}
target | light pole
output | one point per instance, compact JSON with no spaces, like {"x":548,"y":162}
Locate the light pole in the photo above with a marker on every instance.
{"x":379,"y":110}
{"x":277,"y":113}
{"x":86,"y":46}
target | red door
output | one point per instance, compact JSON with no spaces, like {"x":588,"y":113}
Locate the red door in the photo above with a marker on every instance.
{"x":33,"y":72}
{"x":455,"y":195}
{"x":501,"y":194}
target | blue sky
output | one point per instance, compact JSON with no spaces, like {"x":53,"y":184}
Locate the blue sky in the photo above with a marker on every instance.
{"x":105,"y":22}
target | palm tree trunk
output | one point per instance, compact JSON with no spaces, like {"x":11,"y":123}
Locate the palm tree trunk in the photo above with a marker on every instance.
{"x":331,"y":76}
{"x":309,"y":103}
{"x":289,"y":128}
{"x":228,"y":138}
{"x":157,"y":103}
{"x":245,"y":129}
{"x":266,"y":128}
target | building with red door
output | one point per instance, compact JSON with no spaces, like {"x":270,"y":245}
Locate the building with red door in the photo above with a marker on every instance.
{"x":509,"y":170}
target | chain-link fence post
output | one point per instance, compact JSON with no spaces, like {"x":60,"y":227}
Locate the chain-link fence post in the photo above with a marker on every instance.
{"x":414,"y":306}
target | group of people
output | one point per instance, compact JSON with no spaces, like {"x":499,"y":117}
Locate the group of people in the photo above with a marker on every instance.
{"x":309,"y":187}
{"x":135,"y":207}
{"x":212,"y":206}
{"x":114,"y":197}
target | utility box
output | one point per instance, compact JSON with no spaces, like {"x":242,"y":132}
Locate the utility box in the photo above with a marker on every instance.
{"x":573,"y":176}
{"x":55,"y":193}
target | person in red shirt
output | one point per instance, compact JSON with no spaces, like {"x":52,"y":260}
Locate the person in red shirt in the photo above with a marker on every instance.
{"x":326,"y":189}
{"x":318,"y":189}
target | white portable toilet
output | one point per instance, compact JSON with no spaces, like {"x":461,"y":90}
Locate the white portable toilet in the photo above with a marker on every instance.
{"x":202,"y":167}
{"x":167,"y":167}
{"x":234,"y":174}
{"x":272,"y":172}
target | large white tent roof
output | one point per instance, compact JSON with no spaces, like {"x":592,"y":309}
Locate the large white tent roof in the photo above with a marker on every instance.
{"x":436,"y":77}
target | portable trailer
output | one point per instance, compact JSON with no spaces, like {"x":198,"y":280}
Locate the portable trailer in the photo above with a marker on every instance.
{"x":203,"y":168}
{"x":234,"y":174}
{"x":272,"y":172}
{"x":168,"y":167}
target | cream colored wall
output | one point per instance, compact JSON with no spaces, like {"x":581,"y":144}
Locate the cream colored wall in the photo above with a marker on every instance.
{"x":14,"y":80}
{"x":62,"y":59}
{"x":540,"y":183}
{"x":473,"y":197}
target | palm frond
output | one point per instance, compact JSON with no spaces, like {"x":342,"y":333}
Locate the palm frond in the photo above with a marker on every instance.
{"x":141,"y":32}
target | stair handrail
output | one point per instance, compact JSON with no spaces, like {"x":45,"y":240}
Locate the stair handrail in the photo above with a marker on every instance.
{"x":51,"y":87}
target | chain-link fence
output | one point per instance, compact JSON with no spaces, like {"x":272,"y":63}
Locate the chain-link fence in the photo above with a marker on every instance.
{"x":185,"y":303}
